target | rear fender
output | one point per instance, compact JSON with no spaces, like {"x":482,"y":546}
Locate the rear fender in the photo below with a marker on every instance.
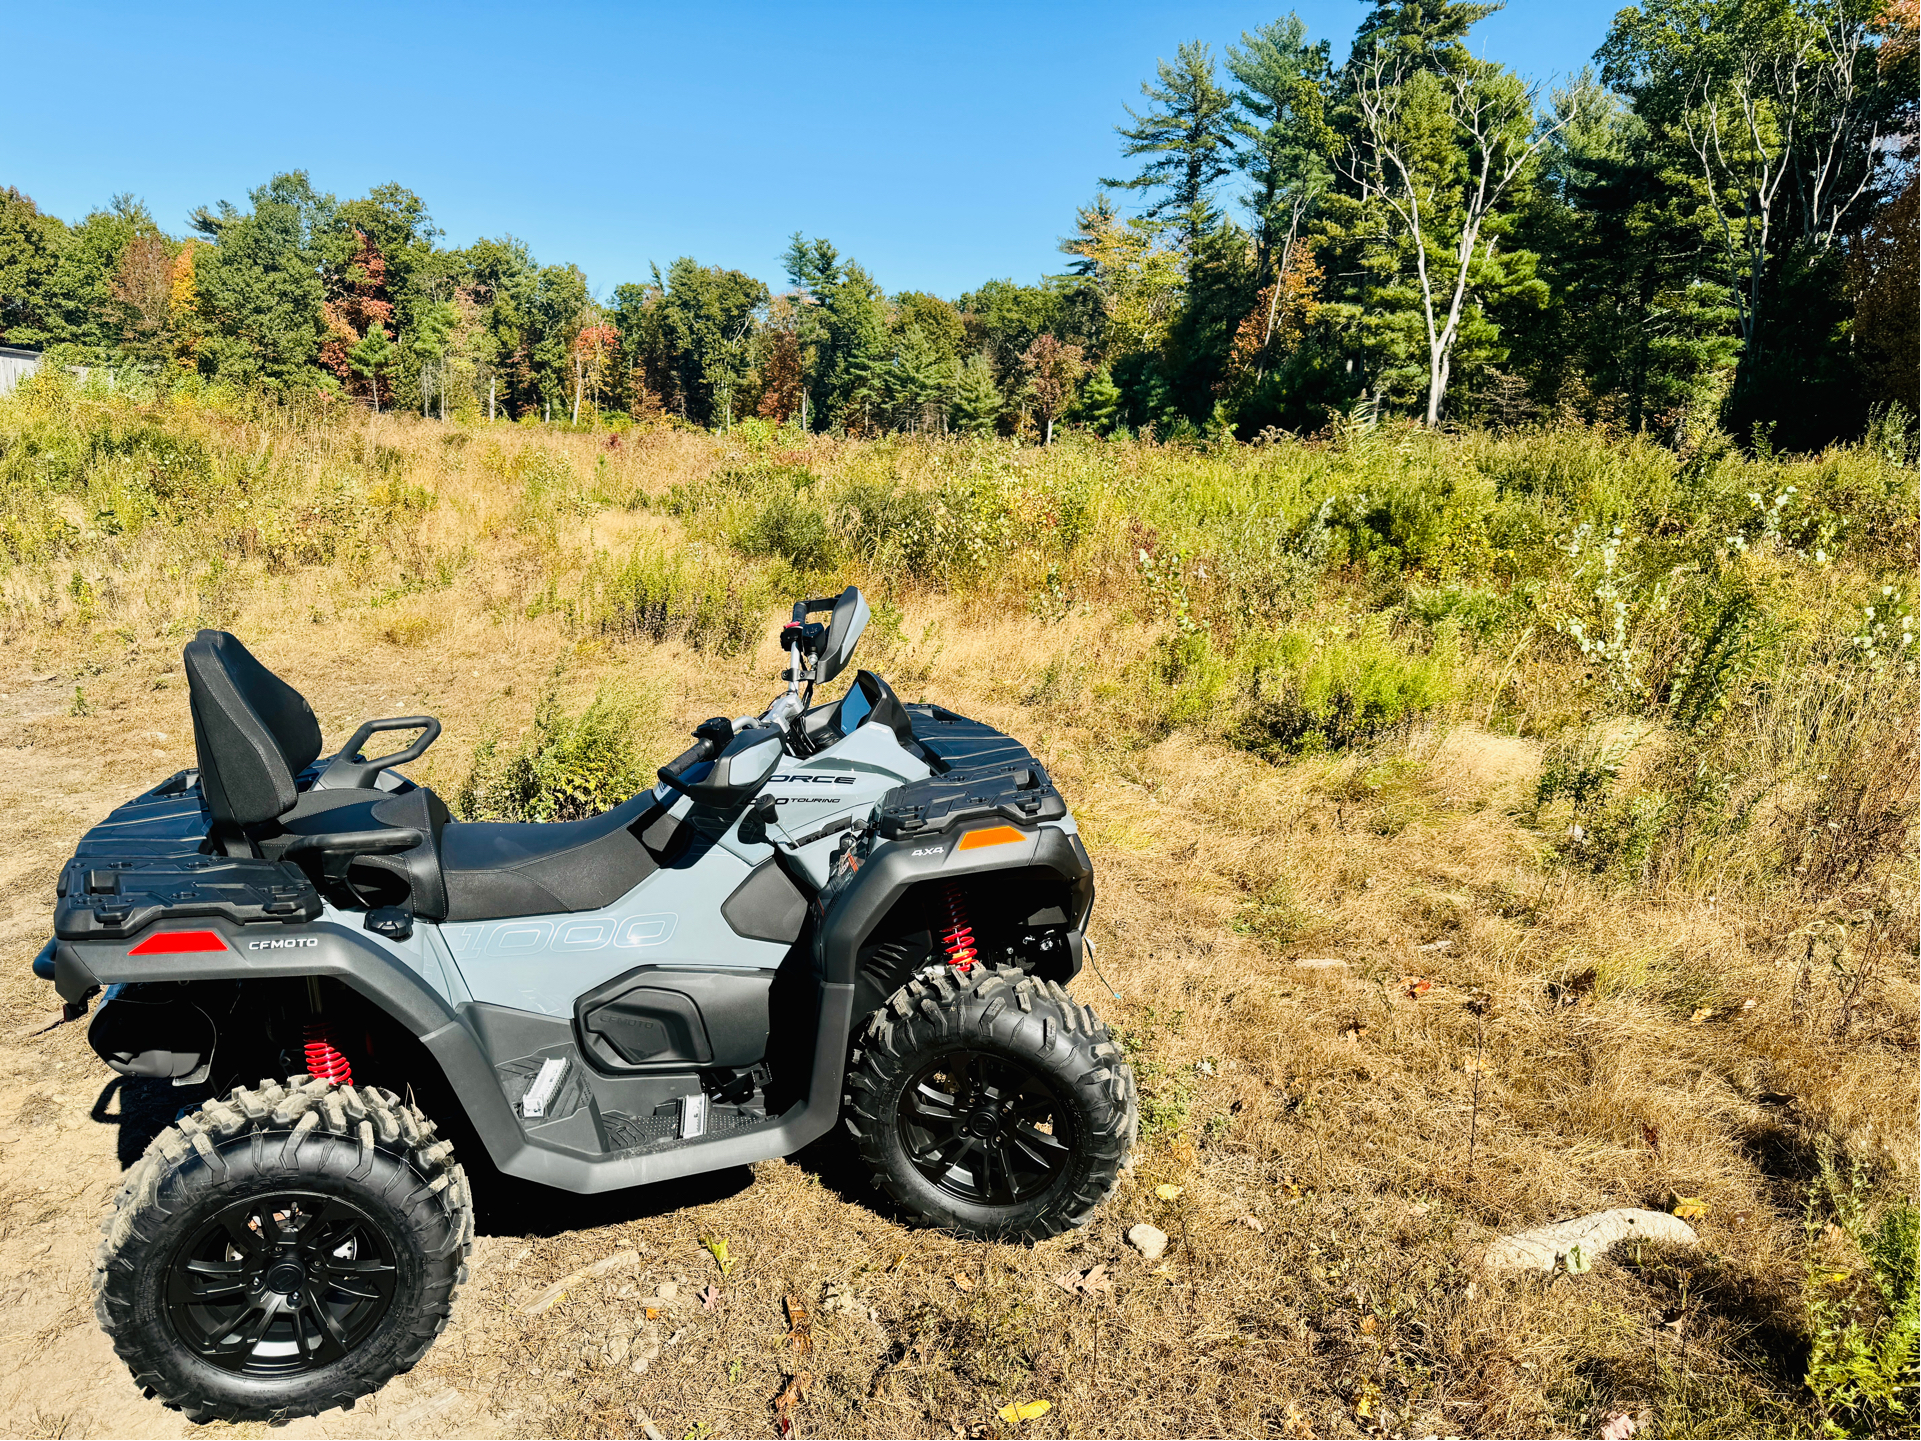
{"x":251,"y":953}
{"x":322,"y":949}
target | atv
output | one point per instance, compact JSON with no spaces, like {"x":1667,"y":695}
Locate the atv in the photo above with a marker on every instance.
{"x":860,"y":910}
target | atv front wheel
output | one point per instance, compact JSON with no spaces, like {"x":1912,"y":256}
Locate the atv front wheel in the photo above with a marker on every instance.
{"x":283,"y":1251}
{"x":991,"y":1104}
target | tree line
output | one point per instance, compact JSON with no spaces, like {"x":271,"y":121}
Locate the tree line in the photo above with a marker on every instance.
{"x":1716,"y":223}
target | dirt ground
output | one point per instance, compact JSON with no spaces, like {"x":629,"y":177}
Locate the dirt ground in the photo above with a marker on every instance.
{"x":1331,"y":1143}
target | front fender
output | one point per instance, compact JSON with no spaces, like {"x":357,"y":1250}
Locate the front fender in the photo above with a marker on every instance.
{"x":855,"y":904}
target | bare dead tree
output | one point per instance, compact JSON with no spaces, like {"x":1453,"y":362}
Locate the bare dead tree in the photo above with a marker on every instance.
{"x":1785,"y":117}
{"x":1297,"y":207}
{"x":1495,"y":124}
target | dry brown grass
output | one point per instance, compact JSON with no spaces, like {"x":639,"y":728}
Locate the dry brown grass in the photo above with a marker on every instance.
{"x":1343,"y":1148}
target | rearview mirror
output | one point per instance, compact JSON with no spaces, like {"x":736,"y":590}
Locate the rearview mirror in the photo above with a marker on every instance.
{"x":843,"y":634}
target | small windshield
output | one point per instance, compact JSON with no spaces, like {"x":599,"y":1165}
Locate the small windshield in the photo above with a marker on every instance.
{"x":854,"y":708}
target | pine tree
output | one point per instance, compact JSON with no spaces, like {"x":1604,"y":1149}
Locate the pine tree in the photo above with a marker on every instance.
{"x":813,"y":267}
{"x":853,"y":348}
{"x":1100,"y":401}
{"x":1287,"y":145}
{"x":919,"y":382}
{"x":1421,"y":34}
{"x":371,"y":355}
{"x":977,"y":400}
{"x":1188,"y":135}
{"x":1636,"y":331}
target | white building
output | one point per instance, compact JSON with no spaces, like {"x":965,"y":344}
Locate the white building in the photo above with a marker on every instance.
{"x":15,"y":365}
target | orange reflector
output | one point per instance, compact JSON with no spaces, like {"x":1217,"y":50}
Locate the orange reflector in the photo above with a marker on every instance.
{"x":992,"y":836}
{"x":177,"y":943}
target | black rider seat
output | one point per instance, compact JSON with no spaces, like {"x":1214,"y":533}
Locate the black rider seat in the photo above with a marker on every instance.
{"x":256,"y":737}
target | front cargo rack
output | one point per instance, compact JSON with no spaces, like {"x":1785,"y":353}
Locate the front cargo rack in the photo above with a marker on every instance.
{"x":1017,"y":791}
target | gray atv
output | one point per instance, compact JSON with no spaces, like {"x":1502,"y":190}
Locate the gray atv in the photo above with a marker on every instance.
{"x":861,"y":911}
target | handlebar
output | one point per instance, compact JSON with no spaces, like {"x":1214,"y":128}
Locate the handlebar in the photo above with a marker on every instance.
{"x":710,"y":739}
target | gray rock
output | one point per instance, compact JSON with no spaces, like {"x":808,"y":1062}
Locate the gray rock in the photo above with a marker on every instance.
{"x":1542,"y":1248}
{"x":1150,"y":1241}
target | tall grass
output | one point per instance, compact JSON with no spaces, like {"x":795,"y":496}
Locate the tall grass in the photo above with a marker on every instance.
{"x":1754,"y":613}
{"x":1582,"y":761}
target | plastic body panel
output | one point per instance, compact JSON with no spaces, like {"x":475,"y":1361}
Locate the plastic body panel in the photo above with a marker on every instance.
{"x":661,"y":1015}
{"x":492,"y":1000}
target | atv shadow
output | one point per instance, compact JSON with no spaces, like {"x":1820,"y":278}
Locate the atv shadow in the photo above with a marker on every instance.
{"x":147,"y":1107}
{"x":507,"y":1206}
{"x":834,"y":1160}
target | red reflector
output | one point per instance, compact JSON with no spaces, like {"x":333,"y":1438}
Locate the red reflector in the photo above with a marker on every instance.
{"x":175,"y":943}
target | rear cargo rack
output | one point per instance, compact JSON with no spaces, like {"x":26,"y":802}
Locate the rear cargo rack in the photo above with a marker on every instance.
{"x":144,"y":863}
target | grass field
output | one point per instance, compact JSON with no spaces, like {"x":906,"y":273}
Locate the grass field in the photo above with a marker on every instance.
{"x":1488,"y":829}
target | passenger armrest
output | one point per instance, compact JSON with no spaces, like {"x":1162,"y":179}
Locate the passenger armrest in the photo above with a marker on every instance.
{"x":335,"y":850}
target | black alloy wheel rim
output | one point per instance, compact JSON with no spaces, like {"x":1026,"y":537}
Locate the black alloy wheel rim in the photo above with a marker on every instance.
{"x":985,"y":1129}
{"x":281,"y":1284}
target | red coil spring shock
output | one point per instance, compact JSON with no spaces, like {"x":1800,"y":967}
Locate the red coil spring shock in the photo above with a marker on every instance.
{"x":956,"y":932}
{"x":323,"y":1057}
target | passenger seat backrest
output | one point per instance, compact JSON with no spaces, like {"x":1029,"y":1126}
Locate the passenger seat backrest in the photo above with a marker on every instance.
{"x":252,"y":731}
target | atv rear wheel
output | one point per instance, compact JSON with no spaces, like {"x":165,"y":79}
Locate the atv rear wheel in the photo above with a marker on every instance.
{"x":283,"y":1251}
{"x":991,"y":1104}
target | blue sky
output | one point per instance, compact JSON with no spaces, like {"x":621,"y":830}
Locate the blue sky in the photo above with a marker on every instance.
{"x":941,"y":145}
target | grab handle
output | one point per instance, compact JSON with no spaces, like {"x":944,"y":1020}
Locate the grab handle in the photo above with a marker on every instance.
{"x":347,"y":772}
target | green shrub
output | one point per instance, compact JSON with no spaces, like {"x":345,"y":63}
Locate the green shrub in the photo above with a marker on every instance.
{"x":953,"y":535}
{"x":1864,"y":1331}
{"x":1309,"y":692}
{"x":787,"y":526}
{"x":567,"y":767}
{"x":1476,"y":611}
{"x":550,"y":489}
{"x":1188,"y":675}
{"x":1583,"y":768}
